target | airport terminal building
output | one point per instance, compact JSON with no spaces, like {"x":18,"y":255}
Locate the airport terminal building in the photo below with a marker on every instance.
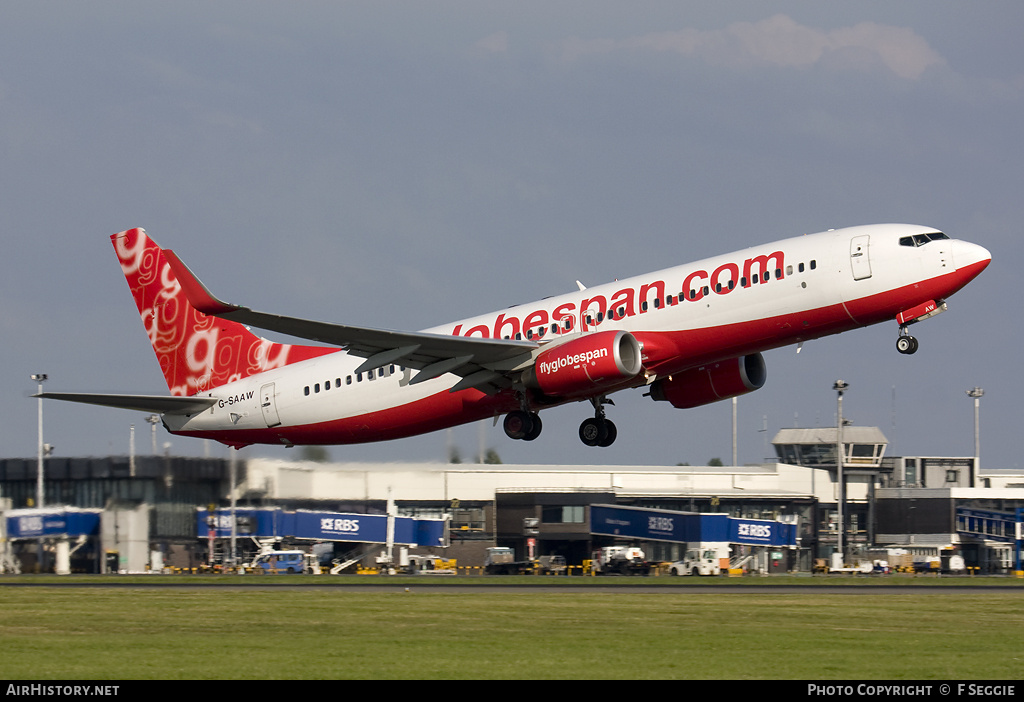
{"x":148,"y":505}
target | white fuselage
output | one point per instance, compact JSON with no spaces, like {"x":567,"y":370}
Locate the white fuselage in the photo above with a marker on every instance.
{"x":718,"y":308}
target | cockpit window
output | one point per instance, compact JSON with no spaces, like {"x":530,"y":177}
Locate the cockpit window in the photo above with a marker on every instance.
{"x":921,"y":239}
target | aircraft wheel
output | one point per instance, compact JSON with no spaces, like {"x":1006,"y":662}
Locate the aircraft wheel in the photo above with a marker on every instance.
{"x":906,"y":345}
{"x":518,"y":424}
{"x":537,"y":425}
{"x":593,"y":431}
{"x":610,"y":433}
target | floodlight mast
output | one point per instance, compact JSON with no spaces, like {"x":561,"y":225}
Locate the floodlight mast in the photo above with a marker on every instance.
{"x":839,"y":386}
{"x":976,"y":393}
{"x":40,"y":378}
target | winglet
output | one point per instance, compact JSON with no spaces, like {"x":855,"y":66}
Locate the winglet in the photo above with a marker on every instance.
{"x":197,"y":293}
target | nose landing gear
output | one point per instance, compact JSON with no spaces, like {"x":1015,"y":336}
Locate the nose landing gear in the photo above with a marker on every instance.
{"x":905,"y":343}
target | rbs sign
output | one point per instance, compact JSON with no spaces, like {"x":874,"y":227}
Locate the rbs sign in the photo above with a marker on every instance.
{"x":347,"y":526}
{"x":744,"y":531}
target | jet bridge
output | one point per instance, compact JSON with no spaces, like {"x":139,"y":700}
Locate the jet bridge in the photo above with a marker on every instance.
{"x":1006,"y":527}
{"x":700,"y":531}
{"x":273,"y":522}
{"x":688,"y":527}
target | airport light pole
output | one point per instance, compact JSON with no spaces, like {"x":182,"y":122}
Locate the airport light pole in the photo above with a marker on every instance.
{"x":839,"y":386}
{"x":976,"y":393}
{"x":41,"y":450}
{"x":40,"y":378}
{"x":735,"y":450}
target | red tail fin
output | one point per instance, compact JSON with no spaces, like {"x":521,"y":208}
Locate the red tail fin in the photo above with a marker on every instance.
{"x":196,"y":352}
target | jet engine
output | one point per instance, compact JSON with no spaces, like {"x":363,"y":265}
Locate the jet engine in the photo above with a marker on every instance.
{"x":586,"y":365}
{"x":712,"y":382}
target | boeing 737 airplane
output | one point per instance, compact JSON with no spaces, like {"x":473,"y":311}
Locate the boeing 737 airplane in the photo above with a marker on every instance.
{"x":689,"y":335}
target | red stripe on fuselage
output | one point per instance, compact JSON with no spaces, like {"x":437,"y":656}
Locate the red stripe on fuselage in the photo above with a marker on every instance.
{"x":438,"y":411}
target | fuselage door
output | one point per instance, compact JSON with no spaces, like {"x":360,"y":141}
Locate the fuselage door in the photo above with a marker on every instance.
{"x":860,"y":261}
{"x":268,"y":405}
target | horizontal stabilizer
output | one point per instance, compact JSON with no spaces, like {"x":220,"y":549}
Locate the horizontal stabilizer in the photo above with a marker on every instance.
{"x":159,"y":404}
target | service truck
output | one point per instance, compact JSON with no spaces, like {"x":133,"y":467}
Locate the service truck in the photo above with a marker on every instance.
{"x":619,"y":560}
{"x":501,"y":560}
{"x":710,"y":558}
{"x":427,"y":565}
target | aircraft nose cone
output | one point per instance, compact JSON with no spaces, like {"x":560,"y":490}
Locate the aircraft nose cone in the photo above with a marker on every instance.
{"x":968,"y":255}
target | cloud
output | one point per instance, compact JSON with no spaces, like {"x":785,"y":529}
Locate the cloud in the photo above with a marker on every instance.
{"x":779,"y":41}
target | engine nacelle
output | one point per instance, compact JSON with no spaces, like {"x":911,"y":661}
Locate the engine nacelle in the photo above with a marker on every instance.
{"x":586,"y":364}
{"x":711,"y":383}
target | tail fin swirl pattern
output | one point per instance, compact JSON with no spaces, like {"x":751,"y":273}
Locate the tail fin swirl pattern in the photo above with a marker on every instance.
{"x":196,"y":352}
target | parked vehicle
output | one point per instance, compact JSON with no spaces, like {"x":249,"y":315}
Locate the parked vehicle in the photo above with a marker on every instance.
{"x":501,"y":560}
{"x":285,"y":563}
{"x":705,"y":559}
{"x":549,"y":565}
{"x":620,"y":560}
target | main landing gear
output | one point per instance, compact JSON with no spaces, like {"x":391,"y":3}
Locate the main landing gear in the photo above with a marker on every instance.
{"x":905,"y":343}
{"x":525,"y":425}
{"x":520,"y":424}
{"x":598,"y":431}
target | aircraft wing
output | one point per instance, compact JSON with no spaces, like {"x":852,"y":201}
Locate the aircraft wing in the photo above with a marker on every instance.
{"x":483,"y":363}
{"x":157,"y":404}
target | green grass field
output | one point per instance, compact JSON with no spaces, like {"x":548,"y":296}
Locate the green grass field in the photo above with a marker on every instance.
{"x":305,"y":633}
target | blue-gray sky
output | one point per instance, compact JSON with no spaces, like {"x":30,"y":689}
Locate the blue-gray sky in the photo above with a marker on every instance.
{"x":406,"y":164}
